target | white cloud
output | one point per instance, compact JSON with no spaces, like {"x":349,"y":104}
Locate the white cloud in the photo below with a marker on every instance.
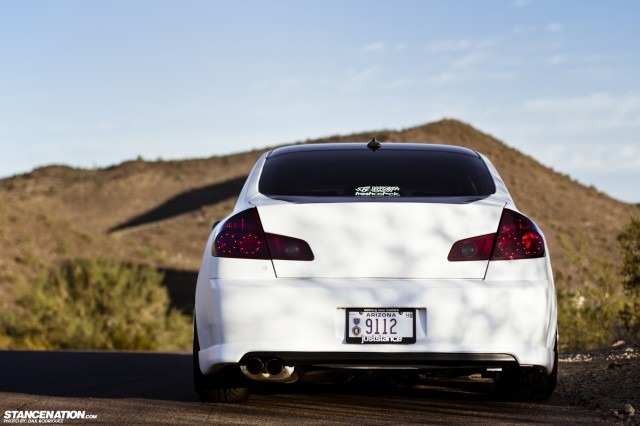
{"x":290,"y":83}
{"x":594,"y":157}
{"x":558,"y":59}
{"x":502,"y":76}
{"x":595,"y":138}
{"x":469,"y":59}
{"x":521,"y":3}
{"x":523,"y":30}
{"x":444,"y":78}
{"x":361,"y":77}
{"x":377,"y":47}
{"x":601,"y":104}
{"x":457,"y":45}
{"x":594,"y":73}
{"x":583,"y":135}
{"x":380,"y":47}
{"x":400,"y":84}
{"x":259,"y":84}
{"x":400,"y":46}
{"x":554,"y":27}
{"x":551,"y":27}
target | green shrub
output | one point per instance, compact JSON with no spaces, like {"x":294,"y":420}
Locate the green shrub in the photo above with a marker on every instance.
{"x":591,"y":317}
{"x":629,"y":240}
{"x":607,"y":308}
{"x":95,"y":304}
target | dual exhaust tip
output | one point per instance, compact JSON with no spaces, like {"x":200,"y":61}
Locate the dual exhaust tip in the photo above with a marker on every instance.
{"x":272,"y":367}
{"x":269,"y":369}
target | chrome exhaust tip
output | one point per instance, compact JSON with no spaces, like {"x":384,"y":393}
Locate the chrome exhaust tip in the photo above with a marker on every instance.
{"x":274,"y":367}
{"x":255,"y":366}
{"x":272,"y":370}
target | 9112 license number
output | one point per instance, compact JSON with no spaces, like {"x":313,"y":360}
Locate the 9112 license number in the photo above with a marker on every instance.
{"x":381,"y":325}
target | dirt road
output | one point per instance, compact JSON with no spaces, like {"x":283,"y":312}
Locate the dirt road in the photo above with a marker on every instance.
{"x":156,"y":388}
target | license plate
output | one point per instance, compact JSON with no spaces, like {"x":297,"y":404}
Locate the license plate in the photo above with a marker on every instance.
{"x":381,"y":325}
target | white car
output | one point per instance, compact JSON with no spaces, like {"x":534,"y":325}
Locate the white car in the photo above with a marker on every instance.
{"x":352,"y":260}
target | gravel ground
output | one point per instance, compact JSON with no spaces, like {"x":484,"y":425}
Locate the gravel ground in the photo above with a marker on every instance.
{"x":607,"y":380}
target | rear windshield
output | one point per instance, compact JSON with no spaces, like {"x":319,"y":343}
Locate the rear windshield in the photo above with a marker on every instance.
{"x":384,"y":173}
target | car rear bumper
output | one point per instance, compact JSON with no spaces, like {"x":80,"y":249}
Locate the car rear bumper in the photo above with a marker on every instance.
{"x":303,"y":322}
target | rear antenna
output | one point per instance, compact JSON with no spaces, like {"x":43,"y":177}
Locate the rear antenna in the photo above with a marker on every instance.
{"x":373,"y":144}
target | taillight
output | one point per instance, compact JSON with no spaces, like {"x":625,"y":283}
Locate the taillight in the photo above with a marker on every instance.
{"x":517,"y":238}
{"x":242,"y":237}
{"x":476,"y":248}
{"x":288,"y":248}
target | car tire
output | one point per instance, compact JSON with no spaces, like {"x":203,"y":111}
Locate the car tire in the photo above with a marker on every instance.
{"x":528,"y":384}
{"x":225,"y":386}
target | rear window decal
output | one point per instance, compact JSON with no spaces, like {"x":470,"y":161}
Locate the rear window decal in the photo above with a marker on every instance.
{"x":378,"y":191}
{"x":389,"y":174}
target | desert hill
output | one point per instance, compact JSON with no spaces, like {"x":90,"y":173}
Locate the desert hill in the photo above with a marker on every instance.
{"x":159,"y":213}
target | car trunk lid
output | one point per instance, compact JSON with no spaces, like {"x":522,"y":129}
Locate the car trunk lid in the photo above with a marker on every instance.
{"x":380,"y":239}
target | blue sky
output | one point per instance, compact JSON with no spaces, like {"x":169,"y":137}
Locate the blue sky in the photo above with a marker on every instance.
{"x":90,"y":84}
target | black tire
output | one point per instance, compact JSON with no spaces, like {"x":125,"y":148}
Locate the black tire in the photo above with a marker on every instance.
{"x":226,"y":386}
{"x":528,"y":384}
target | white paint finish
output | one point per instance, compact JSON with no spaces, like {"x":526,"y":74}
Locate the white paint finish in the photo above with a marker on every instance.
{"x":524,"y":269}
{"x":307,"y":315}
{"x":381,"y":240}
{"x":256,"y":269}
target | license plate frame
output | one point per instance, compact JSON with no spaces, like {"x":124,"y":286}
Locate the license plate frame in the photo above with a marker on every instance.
{"x":382,"y":329}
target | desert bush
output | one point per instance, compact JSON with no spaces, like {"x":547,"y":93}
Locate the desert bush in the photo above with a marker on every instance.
{"x":629,"y":240}
{"x":607,"y":308}
{"x":95,"y":304}
{"x":590,"y":318}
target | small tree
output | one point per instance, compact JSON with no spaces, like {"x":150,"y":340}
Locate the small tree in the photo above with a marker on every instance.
{"x":629,"y":240}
